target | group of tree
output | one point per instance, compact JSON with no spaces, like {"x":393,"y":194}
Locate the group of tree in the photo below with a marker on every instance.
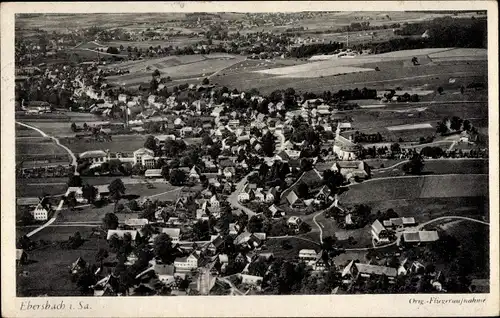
{"x":455,"y":124}
{"x":415,"y":165}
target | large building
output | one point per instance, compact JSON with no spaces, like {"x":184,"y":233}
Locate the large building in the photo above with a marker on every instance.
{"x":344,"y":148}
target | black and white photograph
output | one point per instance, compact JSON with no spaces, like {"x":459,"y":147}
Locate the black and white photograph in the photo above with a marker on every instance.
{"x":312,"y":152}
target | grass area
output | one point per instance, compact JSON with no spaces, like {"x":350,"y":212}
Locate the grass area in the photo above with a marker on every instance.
{"x":38,"y":148}
{"x":441,"y":166}
{"x":49,"y":272}
{"x":361,"y":236}
{"x":432,"y":76}
{"x":33,"y":190}
{"x":417,"y":187}
{"x":120,"y":143}
{"x":274,"y":246}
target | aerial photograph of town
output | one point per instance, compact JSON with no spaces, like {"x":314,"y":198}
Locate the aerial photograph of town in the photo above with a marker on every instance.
{"x":222,"y":153}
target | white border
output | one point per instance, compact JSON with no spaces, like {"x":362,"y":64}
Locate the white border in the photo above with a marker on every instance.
{"x":227,"y":306}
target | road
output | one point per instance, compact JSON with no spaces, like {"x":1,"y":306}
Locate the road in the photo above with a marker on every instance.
{"x":319,"y":227}
{"x":233,"y":197}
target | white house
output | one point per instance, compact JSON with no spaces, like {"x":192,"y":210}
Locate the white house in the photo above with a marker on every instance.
{"x":141,"y":152}
{"x":174,"y":233}
{"x":40,"y":213}
{"x":246,"y":194}
{"x":307,"y":254}
{"x":186,"y":263}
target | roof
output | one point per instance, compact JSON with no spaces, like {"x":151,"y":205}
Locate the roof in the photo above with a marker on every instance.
{"x":135,"y":222}
{"x":350,"y":164}
{"x":102,"y":188}
{"x":345,"y":144}
{"x":347,"y":269}
{"x":307,"y":251}
{"x":121,"y":234}
{"x":172,"y":232}
{"x":421,"y":236}
{"x":376,"y":270}
{"x":28,"y":201}
{"x":153,"y":173}
{"x":164,"y":269}
{"x":377,"y":226}
{"x":93,"y":154}
{"x":292,"y":197}
{"x":19,"y":253}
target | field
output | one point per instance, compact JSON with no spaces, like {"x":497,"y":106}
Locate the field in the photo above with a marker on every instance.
{"x":438,"y":186}
{"x":120,"y":143}
{"x":177,"y":67}
{"x":48,"y":272}
{"x":436,"y":167}
{"x":391,"y":75}
{"x":274,"y":246}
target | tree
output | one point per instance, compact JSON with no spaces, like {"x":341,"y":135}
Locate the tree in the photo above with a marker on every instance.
{"x":456,"y":123}
{"x":110,"y":221}
{"x":255,"y":224}
{"x":70,"y":200}
{"x":73,"y":127}
{"x":163,"y":248}
{"x":101,"y":255}
{"x":395,"y":147}
{"x":150,"y":143}
{"x":177,"y":177}
{"x":156,"y":73}
{"x":268,"y":144}
{"x":303,"y":190}
{"x":415,"y":165}
{"x":440,"y":90}
{"x":116,"y":190}
{"x":165,"y":172}
{"x":205,"y":81}
{"x":89,"y":192}
{"x":74,"y":181}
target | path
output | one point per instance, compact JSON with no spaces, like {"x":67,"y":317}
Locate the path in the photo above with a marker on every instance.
{"x":416,"y":176}
{"x":452,"y":217}
{"x":73,"y":162}
{"x":319,"y":227}
{"x":72,"y":155}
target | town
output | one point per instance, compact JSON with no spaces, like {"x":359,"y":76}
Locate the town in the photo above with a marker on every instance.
{"x":252,"y":154}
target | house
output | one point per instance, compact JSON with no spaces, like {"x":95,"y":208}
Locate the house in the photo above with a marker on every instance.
{"x":215,"y":244}
{"x":255,"y":281}
{"x":276,"y":212}
{"x":194,"y":174}
{"x":399,"y":223}
{"x":323,"y":196}
{"x":139,"y":153}
{"x":136,"y":223}
{"x":148,"y":161}
{"x":352,"y":169}
{"x":165,"y":273}
{"x":187,"y":263}
{"x":229,"y":172}
{"x":344,"y":148}
{"x":214,"y":202}
{"x":153,"y":173}
{"x":318,"y":264}
{"x":246,"y":194}
{"x":379,"y":233}
{"x":178,"y":123}
{"x":28,"y":202}
{"x":78,"y":194}
{"x":102,"y":191}
{"x":186,"y":131}
{"x":95,"y":156}
{"x":40,"y":213}
{"x":294,"y":222}
{"x":259,"y":195}
{"x":271,"y":194}
{"x":21,"y":256}
{"x":307,"y":254}
{"x":419,"y":237}
{"x":355,"y":270}
{"x":174,"y":233}
{"x":282,"y":156}
{"x":233,"y":228}
{"x":121,"y":234}
{"x":293,"y":200}
{"x":78,"y":266}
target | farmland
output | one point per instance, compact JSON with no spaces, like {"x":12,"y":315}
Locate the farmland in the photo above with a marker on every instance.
{"x":177,"y":67}
{"x":442,"y":186}
{"x":120,"y":143}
